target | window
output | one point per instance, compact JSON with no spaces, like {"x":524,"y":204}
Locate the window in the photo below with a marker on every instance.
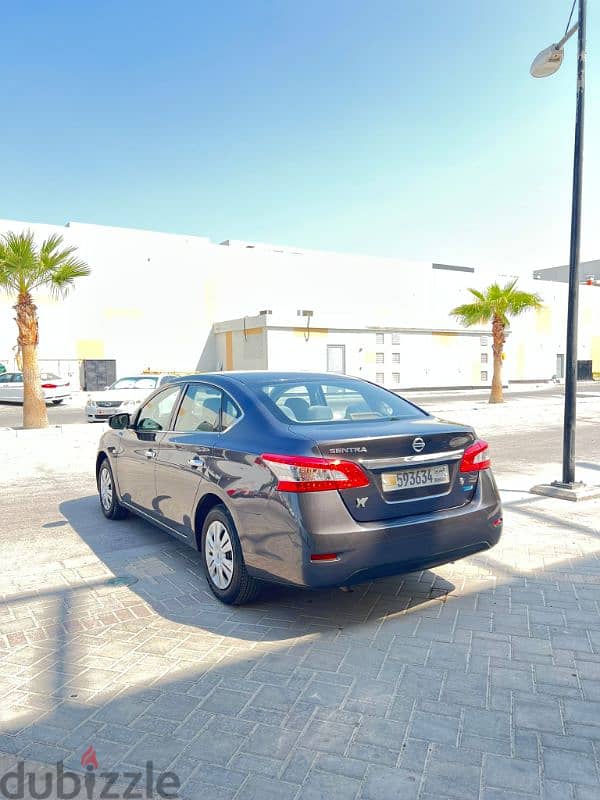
{"x":379,"y":378}
{"x":156,"y":414}
{"x":333,"y":399}
{"x":395,"y":358}
{"x":484,"y":341}
{"x":396,"y":378}
{"x":336,"y":358}
{"x":379,"y":338}
{"x":379,"y":358}
{"x":484,"y":376}
{"x":5,"y":377}
{"x":138,"y":382}
{"x":204,"y":408}
{"x":229,"y":413}
{"x":484,"y":358}
{"x":395,"y":338}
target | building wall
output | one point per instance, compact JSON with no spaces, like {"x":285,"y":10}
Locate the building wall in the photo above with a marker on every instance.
{"x":152,"y":299}
{"x":426,"y":359}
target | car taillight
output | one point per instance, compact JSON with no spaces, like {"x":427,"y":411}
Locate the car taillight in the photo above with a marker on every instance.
{"x":476,"y":457}
{"x":49,"y":386}
{"x":303,"y":474}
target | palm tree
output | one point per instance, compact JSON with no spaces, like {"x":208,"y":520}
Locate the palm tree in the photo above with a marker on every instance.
{"x":495,"y":305}
{"x":23,"y":269}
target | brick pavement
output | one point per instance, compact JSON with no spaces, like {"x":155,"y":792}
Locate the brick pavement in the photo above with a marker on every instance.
{"x":478,"y":680}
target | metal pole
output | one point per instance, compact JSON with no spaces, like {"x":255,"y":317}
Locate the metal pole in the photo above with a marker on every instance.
{"x":568,"y":476}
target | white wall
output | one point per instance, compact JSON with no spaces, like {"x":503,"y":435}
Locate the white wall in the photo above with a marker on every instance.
{"x":152,"y":299}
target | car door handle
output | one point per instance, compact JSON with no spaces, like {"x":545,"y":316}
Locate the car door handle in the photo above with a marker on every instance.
{"x":196,"y":462}
{"x":150,"y":453}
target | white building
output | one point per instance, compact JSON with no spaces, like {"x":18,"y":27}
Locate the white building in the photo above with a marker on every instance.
{"x":159,"y":301}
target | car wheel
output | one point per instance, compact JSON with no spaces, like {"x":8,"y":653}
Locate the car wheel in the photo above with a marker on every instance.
{"x":56,"y":402}
{"x":111,"y":508}
{"x":223,"y":560}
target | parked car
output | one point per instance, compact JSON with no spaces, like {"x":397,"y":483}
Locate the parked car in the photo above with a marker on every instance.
{"x":124,"y":395}
{"x":56,"y":389}
{"x":299,"y":478}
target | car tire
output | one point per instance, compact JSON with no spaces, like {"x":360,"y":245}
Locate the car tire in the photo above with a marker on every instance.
{"x":223,"y":560}
{"x":111,"y":508}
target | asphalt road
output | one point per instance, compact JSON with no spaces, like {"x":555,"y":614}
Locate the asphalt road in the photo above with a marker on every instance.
{"x":11,"y":414}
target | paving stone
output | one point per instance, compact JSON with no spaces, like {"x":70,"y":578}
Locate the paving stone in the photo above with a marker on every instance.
{"x":327,"y":737}
{"x":373,"y":754}
{"x":214,"y":749}
{"x":570,"y":766}
{"x":434,"y":728}
{"x":452,"y":779}
{"x":259,"y":787}
{"x":324,"y":694}
{"x":349,"y":767}
{"x":267,"y":740}
{"x":382,"y":732}
{"x":511,"y":773}
{"x":539,"y":716}
{"x":557,"y":790}
{"x":383,"y":783}
{"x":262,"y":765}
{"x":299,"y":765}
{"x":584,"y":712}
{"x":490,"y":724}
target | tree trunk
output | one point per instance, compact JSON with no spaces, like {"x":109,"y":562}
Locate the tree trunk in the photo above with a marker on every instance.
{"x":35,"y":414}
{"x":498,"y":339}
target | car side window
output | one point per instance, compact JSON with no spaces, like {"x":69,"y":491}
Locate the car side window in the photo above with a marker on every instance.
{"x":156,"y":414}
{"x":17,"y":377}
{"x":230,"y":413}
{"x":200,"y":410}
{"x":5,"y":378}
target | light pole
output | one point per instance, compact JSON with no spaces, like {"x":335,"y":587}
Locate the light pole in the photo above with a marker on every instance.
{"x":544,"y":64}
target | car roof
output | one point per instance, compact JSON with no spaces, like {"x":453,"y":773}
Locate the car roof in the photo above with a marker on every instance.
{"x":252,"y":377}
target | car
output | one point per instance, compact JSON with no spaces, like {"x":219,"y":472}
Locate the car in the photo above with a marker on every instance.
{"x":55,"y":388}
{"x":305,"y":479}
{"x":124,"y":395}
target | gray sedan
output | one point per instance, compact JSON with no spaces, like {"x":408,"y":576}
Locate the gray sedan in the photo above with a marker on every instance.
{"x":312,"y":480}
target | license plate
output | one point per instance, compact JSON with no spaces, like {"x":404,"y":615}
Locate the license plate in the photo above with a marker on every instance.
{"x":415,"y":478}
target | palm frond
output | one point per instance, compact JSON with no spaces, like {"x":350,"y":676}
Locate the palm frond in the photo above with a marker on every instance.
{"x":496,"y":301}
{"x":472,"y":314}
{"x":24,"y":267}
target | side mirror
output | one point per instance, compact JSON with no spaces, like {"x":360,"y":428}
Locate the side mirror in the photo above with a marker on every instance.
{"x":119,"y":421}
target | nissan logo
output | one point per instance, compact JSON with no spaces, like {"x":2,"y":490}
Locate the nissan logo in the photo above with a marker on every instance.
{"x":418,"y":444}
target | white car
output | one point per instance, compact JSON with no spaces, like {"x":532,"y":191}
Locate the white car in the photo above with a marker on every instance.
{"x":123,"y":396}
{"x":56,"y":389}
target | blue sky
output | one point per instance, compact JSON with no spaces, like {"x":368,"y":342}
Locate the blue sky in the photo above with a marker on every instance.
{"x":388,"y":127}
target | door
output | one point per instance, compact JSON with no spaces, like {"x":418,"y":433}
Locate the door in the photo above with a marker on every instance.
{"x":135,"y":457}
{"x":336,"y":358}
{"x":184,"y":455}
{"x":560,"y":365}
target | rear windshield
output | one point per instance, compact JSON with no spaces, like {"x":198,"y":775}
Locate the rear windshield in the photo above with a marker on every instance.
{"x":311,"y":400}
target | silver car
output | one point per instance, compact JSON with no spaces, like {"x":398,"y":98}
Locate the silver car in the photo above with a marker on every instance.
{"x":299,"y":478}
{"x":124,"y":395}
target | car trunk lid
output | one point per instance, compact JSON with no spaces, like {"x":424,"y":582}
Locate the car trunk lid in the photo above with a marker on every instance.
{"x":412,"y":465}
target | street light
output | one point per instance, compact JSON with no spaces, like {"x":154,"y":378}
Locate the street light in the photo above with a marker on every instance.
{"x":547,"y":63}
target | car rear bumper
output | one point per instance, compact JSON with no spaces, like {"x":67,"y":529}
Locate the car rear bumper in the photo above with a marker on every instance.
{"x":365,"y":551}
